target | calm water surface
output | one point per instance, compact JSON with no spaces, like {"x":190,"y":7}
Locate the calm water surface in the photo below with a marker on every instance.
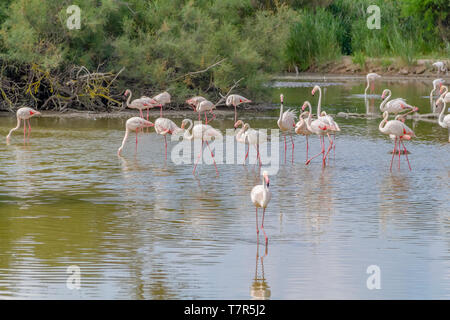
{"x":140,"y":228}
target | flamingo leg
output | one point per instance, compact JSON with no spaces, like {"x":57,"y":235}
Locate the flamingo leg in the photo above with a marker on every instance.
{"x":160,"y":111}
{"x":165,"y":146}
{"x":214,"y":115}
{"x":206,"y":121}
{"x":257,"y":230}
{"x":399,"y":152}
{"x":147,"y":120}
{"x":406,"y":155}
{"x":262,"y":225}
{"x":198,"y":158}
{"x":292,"y":140}
{"x":334,"y":146}
{"x":24,"y":130}
{"x":199,"y":116}
{"x":141,"y":114}
{"x":136,"y":140}
{"x":321,"y":152}
{"x":212,"y":155}
{"x":307,"y":147}
{"x":393,"y":152}
{"x":246,"y":155}
{"x":29,"y":129}
{"x":258,"y":155}
{"x":235,"y":114}
{"x":285,"y":148}
{"x":329,"y":148}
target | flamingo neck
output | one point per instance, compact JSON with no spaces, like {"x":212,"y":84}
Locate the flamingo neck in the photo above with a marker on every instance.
{"x":385,"y":101}
{"x":14,"y":129}
{"x":319,"y":103}
{"x":129,"y":98}
{"x":382,"y":126}
{"x":123,"y":141}
{"x":441,"y":115}
{"x":309,"y":120}
{"x":187,"y":134}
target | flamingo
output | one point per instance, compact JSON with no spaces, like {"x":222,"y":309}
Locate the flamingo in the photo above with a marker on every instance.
{"x":240,"y":135}
{"x":150,"y":103}
{"x":445,"y":95}
{"x":396,"y":105}
{"x":133,"y":124}
{"x":254,"y":138}
{"x":400,"y":131}
{"x":260,"y":196}
{"x":444,"y":122}
{"x":320,"y":128}
{"x":322,"y":115}
{"x":436,"y":83}
{"x":162,"y":99}
{"x":194,"y":101}
{"x":205,"y":106}
{"x":204,"y":132}
{"x":440,"y":66}
{"x":235,"y":100}
{"x":371,"y":77}
{"x":286,"y":122}
{"x":164,"y":126}
{"x":24,"y":113}
{"x":302,"y":129}
{"x":140,"y":104}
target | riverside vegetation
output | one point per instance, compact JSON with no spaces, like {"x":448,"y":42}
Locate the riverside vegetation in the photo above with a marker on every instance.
{"x":198,"y":47}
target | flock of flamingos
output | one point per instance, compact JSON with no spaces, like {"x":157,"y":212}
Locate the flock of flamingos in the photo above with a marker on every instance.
{"x":323,"y":126}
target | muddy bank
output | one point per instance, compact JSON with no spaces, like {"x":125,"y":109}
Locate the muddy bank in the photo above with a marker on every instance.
{"x":388,"y":67}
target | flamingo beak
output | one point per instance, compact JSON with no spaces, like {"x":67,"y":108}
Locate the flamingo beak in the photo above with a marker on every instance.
{"x":267,"y":180}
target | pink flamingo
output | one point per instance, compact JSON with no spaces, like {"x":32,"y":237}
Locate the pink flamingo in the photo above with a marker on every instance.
{"x":235,"y":100}
{"x":140,"y":104}
{"x":286,"y":122}
{"x":261,"y":196}
{"x":254,"y":138}
{"x":240,"y":136}
{"x":24,"y":114}
{"x":205,"y":106}
{"x":400,"y":131}
{"x":444,"y":122}
{"x":162,"y":99}
{"x":371,"y":77}
{"x":437,"y":84}
{"x":133,"y":124}
{"x":204,"y":132}
{"x":445,"y":95}
{"x":194,"y":101}
{"x":332,"y":126}
{"x":164,"y":126}
{"x":320,"y":128}
{"x":302,"y":128}
{"x":394,"y":106}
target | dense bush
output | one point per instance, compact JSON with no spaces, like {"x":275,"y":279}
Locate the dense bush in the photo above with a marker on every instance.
{"x":160,"y":43}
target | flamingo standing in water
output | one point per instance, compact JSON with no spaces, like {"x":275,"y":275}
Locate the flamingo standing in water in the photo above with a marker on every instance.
{"x":302,"y":129}
{"x":371,"y":77}
{"x":164,"y":126}
{"x":162,"y":99}
{"x":445,"y":95}
{"x":437,"y":84}
{"x":204,"y":132}
{"x":235,"y":100}
{"x":444,"y":122}
{"x":260,"y":196}
{"x":194,"y":101}
{"x":394,"y":106}
{"x":254,"y":138}
{"x":320,"y":128}
{"x":400,"y":131}
{"x":205,"y":106}
{"x":140,"y":104}
{"x":286,"y":122}
{"x":133,"y":124}
{"x":24,"y":114}
{"x":332,"y":126}
{"x":240,"y":136}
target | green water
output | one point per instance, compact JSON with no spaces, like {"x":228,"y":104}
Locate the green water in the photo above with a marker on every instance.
{"x":142,"y":228}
